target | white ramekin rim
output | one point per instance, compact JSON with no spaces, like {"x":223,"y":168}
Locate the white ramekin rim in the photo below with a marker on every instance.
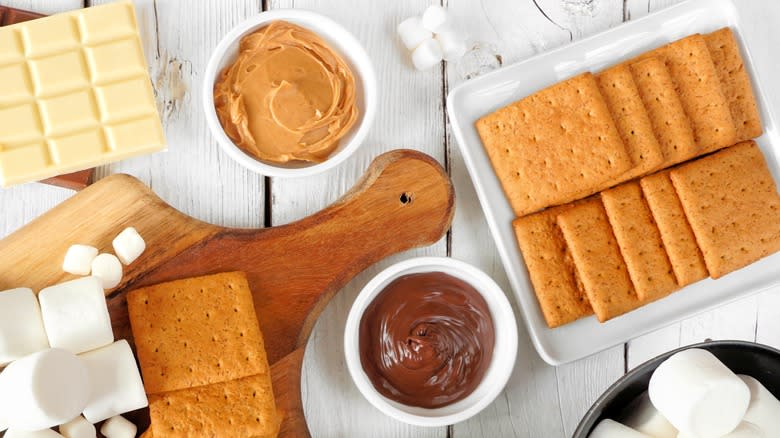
{"x":504,"y":352}
{"x":332,"y":32}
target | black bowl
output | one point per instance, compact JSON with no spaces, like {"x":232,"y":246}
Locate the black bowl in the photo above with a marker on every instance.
{"x":756,"y":360}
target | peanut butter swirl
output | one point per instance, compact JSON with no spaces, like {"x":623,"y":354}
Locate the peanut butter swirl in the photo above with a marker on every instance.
{"x":288,"y":95}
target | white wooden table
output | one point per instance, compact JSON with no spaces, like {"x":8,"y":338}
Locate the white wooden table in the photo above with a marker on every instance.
{"x":197,"y":178}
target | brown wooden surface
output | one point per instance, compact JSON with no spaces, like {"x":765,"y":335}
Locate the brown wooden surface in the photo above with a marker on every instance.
{"x":76,"y":180}
{"x":405,"y":200}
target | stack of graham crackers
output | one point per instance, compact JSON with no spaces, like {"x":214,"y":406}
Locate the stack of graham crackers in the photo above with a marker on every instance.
{"x":203,"y":358}
{"x":650,"y":231}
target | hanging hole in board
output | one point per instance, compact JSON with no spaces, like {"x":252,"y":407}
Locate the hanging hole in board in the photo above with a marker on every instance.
{"x":406,"y":198}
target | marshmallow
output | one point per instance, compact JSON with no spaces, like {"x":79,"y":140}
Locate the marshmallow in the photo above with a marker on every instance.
{"x":116,"y":382}
{"x":45,"y":433}
{"x":764,"y":409}
{"x":42,"y":390}
{"x":426,"y":55}
{"x":435,"y":18}
{"x":128,"y":245}
{"x":108,"y":269}
{"x":613,"y":429}
{"x":644,"y":417}
{"x":698,"y":394}
{"x":452,"y":44}
{"x":75,"y":315}
{"x":21,"y":326}
{"x":78,"y":427}
{"x":744,"y":430}
{"x":78,"y":259}
{"x":412,"y":33}
{"x":118,"y":427}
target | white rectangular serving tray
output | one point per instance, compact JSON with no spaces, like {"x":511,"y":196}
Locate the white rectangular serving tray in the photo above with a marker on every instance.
{"x":478,"y":97}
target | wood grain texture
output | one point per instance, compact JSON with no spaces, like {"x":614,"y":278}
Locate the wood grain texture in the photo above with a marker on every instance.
{"x":539,"y":399}
{"x":293,"y":270}
{"x":193,"y":175}
{"x":409,"y":115}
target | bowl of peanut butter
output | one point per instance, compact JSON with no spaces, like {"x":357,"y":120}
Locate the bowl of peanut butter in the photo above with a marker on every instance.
{"x":289,"y":93}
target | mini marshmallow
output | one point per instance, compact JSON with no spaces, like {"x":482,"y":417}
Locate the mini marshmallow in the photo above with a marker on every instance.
{"x":453,"y":45}
{"x":426,"y":55}
{"x":45,"y":433}
{"x":613,"y":429}
{"x":78,"y":427}
{"x":698,"y":394}
{"x":116,"y":382}
{"x":764,"y":409}
{"x":108,"y":269}
{"x":435,"y":18}
{"x":412,"y":33}
{"x":128,"y":245}
{"x":78,"y":259}
{"x":118,"y":427}
{"x":744,"y":430}
{"x":642,"y":416}
{"x":75,"y":315}
{"x":21,"y":326}
{"x":42,"y":390}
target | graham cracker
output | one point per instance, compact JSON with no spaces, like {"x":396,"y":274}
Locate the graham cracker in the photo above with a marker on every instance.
{"x":597,"y":259}
{"x":633,"y":123}
{"x":196,"y":332}
{"x":698,"y":85}
{"x":731,"y":202}
{"x":550,"y":147}
{"x":667,"y":116}
{"x":735,"y":83}
{"x":676,"y":233}
{"x":238,"y":408}
{"x":639,"y":241}
{"x":550,"y":267}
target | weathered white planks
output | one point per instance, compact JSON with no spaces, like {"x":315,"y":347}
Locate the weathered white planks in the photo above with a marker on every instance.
{"x":196,"y":177}
{"x":409,"y":116}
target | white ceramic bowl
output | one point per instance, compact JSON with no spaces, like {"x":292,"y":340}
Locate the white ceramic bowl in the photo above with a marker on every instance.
{"x":343,"y":42}
{"x":504,"y":350}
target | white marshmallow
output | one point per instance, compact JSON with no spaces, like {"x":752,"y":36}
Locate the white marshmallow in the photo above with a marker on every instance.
{"x":426,"y":55}
{"x":116,"y":382}
{"x":453,"y":45}
{"x":128,"y":245}
{"x":108,"y":269}
{"x":21,"y":326}
{"x":75,"y":315}
{"x":45,"y":433}
{"x":78,"y":259}
{"x":744,"y":430}
{"x":118,"y":427}
{"x":412,"y":33}
{"x":613,"y":429}
{"x":78,"y":427}
{"x":698,"y":394}
{"x":644,"y":417}
{"x":435,"y":18}
{"x":764,"y":409}
{"x":43,"y":390}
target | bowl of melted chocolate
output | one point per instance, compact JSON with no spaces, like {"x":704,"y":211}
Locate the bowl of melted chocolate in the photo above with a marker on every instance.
{"x":431,"y":341}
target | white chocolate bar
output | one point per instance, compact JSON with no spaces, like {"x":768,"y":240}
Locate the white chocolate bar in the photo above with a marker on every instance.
{"x":74,"y":93}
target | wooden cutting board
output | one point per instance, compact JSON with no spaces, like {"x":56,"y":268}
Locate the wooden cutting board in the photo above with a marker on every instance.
{"x":404,"y":200}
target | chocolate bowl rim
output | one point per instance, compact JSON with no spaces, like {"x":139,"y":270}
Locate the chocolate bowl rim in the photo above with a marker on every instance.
{"x":595,"y":412}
